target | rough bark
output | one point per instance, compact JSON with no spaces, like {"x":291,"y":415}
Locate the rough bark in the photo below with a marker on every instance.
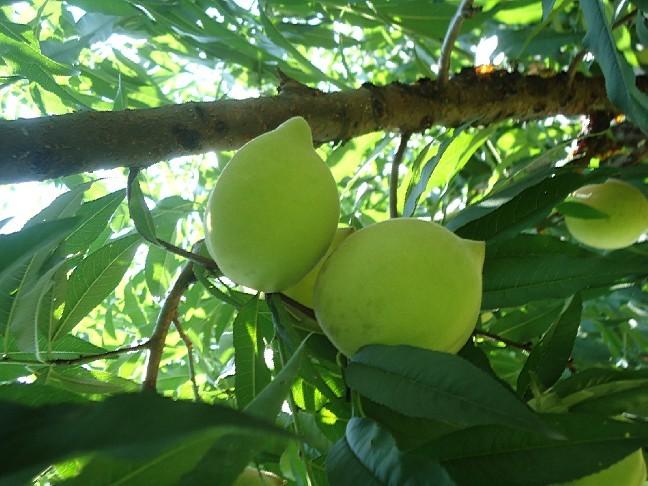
{"x":47,"y":147}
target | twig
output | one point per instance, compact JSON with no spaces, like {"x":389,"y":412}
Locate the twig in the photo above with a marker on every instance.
{"x":168,"y":313}
{"x":194,"y":257}
{"x":513,"y":344}
{"x":464,"y":11}
{"x":393,"y":179}
{"x":578,"y":57}
{"x":79,"y":360}
{"x":192,"y":369}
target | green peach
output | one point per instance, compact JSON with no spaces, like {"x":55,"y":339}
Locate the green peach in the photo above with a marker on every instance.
{"x":626,"y":210}
{"x":273,"y":211}
{"x":303,"y":291}
{"x":629,"y":471}
{"x":402,"y":281}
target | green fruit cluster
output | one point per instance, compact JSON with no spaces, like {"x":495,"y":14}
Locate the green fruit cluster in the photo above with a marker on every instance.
{"x":271,"y":225}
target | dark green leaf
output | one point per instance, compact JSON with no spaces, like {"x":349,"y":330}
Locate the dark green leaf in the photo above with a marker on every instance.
{"x":437,"y":386}
{"x":120,"y":423}
{"x":549,"y":357}
{"x":500,"y":456}
{"x":94,"y":217}
{"x":139,"y":211}
{"x":579,"y":210}
{"x":528,"y":268}
{"x":16,"y":248}
{"x":523,"y":211}
{"x":250,"y":327}
{"x":368,"y":455}
{"x":94,"y":279}
{"x":620,"y":82}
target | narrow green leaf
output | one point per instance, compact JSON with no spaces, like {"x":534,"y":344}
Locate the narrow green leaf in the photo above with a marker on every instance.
{"x":494,"y":455}
{"x":24,"y":327}
{"x":278,"y":39}
{"x":547,"y":7}
{"x":139,"y":211}
{"x":523,"y":211}
{"x":579,"y":210}
{"x":416,"y":190}
{"x":527,"y":268}
{"x":249,"y":328}
{"x":368,"y":455}
{"x":165,"y":468}
{"x":620,"y":82}
{"x":223,"y":463}
{"x":434,"y":385}
{"x":642,"y":26}
{"x":94,"y":217}
{"x":464,"y":144}
{"x":17,"y":248}
{"x":549,"y":356}
{"x":134,"y":422}
{"x":267,"y":404}
{"x":37,"y":394}
{"x":94,"y":279}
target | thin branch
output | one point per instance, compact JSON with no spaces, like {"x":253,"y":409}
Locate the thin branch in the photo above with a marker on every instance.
{"x":47,"y":147}
{"x":464,"y":10}
{"x":168,"y":313}
{"x":87,"y":358}
{"x":194,"y":257}
{"x":192,"y":369}
{"x":393,"y":179}
{"x":513,"y":344}
{"x":580,"y":55}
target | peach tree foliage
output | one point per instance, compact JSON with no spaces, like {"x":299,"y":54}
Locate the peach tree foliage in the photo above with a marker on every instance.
{"x":127,"y":358}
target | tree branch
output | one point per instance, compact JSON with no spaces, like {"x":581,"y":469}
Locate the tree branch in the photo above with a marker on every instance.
{"x":192,"y":368}
{"x":87,"y":358}
{"x":508,"y":342}
{"x":168,"y":314}
{"x":464,"y":10}
{"x":47,"y":147}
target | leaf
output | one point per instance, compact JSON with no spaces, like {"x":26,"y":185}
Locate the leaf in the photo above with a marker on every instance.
{"x":434,"y":385}
{"x":500,"y":456}
{"x":278,"y":39}
{"x":548,"y":359}
{"x":268,"y":402}
{"x":547,"y":7}
{"x":523,"y":211}
{"x":17,"y":248}
{"x":527,"y":323}
{"x":139,"y":211}
{"x":527,"y":268}
{"x":642,"y":26}
{"x":606,"y":392}
{"x":94,"y":382}
{"x":223,"y":463}
{"x":464,"y":144}
{"x":24,"y":327}
{"x":579,"y":210}
{"x":94,"y":217}
{"x":94,"y":279}
{"x":368,"y":455}
{"x":620,"y":82}
{"x":116,"y":424}
{"x":416,"y":190}
{"x":37,"y":394}
{"x":164,"y":468}
{"x":252,"y":375}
